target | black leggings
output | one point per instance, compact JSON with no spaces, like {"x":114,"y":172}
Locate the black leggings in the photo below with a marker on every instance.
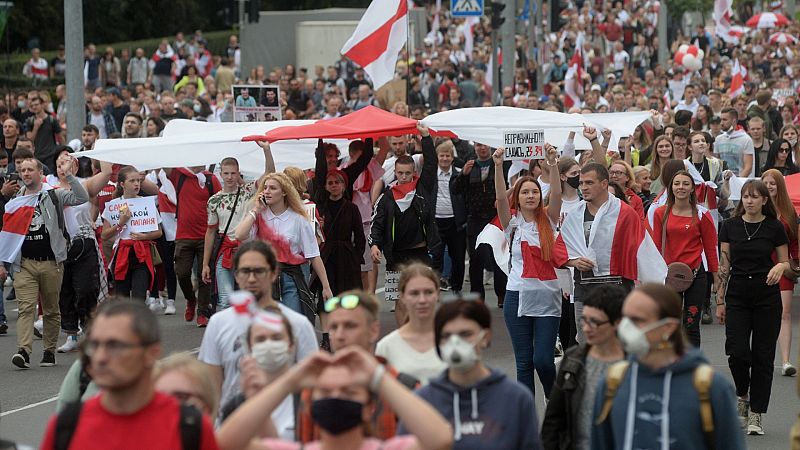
{"x":80,"y":285}
{"x":693,"y":299}
{"x":566,"y":329}
{"x":167,"y":251}
{"x":752,"y":323}
{"x":137,"y":281}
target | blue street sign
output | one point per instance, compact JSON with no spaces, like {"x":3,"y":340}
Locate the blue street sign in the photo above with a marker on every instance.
{"x":466,"y":8}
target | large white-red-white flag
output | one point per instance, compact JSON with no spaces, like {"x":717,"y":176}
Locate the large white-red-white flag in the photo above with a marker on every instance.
{"x":737,"y":81}
{"x":619,"y":244}
{"x":16,"y":221}
{"x":378,"y":39}
{"x":722,"y":21}
{"x":573,"y":80}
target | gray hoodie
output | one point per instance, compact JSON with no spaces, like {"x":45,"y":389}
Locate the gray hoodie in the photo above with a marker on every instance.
{"x":494,"y":413}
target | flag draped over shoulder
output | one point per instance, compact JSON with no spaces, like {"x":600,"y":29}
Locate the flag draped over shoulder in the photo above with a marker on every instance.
{"x":378,"y":39}
{"x":619,"y":244}
{"x":16,"y":221}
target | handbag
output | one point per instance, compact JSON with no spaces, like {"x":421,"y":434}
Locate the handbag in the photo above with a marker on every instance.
{"x":793,"y":272}
{"x":219,"y":237}
{"x":679,"y":275}
{"x":154,"y":255}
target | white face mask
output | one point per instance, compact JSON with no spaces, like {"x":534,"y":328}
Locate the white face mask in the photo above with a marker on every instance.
{"x":792,"y":142}
{"x":634,"y":339}
{"x":271,"y":355}
{"x":458,"y":353}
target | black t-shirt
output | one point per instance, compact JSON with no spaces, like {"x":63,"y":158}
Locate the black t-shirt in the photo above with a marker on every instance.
{"x":37,"y":241}
{"x":752,"y":256}
{"x":588,"y":221}
{"x":45,"y":142}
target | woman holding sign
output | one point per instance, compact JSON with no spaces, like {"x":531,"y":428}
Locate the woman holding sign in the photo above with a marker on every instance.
{"x":135,"y":224}
{"x":533,"y":298}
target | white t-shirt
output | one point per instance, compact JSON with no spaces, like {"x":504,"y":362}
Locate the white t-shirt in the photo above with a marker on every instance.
{"x":406,"y":359}
{"x":100,"y":123}
{"x":222,"y":344}
{"x":77,"y":219}
{"x":621,"y":60}
{"x":388,"y":168}
{"x":731,"y":148}
{"x":296,"y":229}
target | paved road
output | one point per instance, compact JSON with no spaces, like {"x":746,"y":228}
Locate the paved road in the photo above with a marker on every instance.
{"x":27,"y":397}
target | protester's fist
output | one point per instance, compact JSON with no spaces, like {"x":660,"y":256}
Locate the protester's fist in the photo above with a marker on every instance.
{"x":468,"y":167}
{"x":606,"y":134}
{"x":497,"y":156}
{"x":589,"y":132}
{"x":550,"y":153}
{"x":423,"y":130}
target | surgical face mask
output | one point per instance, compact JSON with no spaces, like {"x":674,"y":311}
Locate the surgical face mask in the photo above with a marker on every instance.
{"x":271,"y":355}
{"x":634,"y":339}
{"x":458,"y":353}
{"x":792,"y":142}
{"x":21,"y":104}
{"x":336,"y":415}
{"x":574,"y":182}
{"x":196,"y":108}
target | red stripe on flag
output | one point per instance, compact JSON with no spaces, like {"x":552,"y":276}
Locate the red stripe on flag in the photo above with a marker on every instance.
{"x":373,"y":46}
{"x":19,"y":221}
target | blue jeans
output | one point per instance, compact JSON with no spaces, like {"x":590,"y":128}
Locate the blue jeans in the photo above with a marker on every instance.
{"x":224,"y":285}
{"x":524,"y":332}
{"x":290,"y":295}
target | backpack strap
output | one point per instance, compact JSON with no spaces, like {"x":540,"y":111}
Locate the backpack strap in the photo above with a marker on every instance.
{"x":614,"y":376}
{"x":191,"y":427}
{"x":181,"y":180}
{"x":66,"y":424}
{"x":703,"y":375}
{"x":59,"y":213}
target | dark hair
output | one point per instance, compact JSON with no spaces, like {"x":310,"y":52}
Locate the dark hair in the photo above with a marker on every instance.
{"x":469,"y":309}
{"x":159,"y":123}
{"x":671,"y":196}
{"x":669,"y":305}
{"x":669,"y":170}
{"x":683,"y":117}
{"x":229,"y":161}
{"x":731,"y":111}
{"x":21,"y":153}
{"x":619,"y":192}
{"x":143,"y":322}
{"x":256,"y":246}
{"x":91,"y":128}
{"x":680,"y":131}
{"x":772,"y":155}
{"x":135,"y":115}
{"x":756,"y":186}
{"x":122,"y":176}
{"x":405,"y":159}
{"x":609,"y":299}
{"x":599,"y":169}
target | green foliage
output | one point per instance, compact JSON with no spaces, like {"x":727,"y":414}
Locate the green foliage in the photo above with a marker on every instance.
{"x":676,"y":8}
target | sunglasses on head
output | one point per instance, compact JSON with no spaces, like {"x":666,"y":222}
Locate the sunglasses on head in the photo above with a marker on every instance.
{"x":349,"y":301}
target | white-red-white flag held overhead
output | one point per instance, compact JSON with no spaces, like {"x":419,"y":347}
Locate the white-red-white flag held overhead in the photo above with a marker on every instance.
{"x":737,"y":82}
{"x":573,"y":81}
{"x":378,"y":39}
{"x":722,"y":21}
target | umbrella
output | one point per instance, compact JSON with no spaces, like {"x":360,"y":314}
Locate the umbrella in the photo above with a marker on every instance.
{"x":782,"y":38}
{"x":793,"y":186}
{"x":767,"y":20}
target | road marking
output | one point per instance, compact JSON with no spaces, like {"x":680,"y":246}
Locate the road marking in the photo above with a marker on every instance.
{"x":51,"y":400}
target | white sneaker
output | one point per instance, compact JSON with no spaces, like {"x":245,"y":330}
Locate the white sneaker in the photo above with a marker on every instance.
{"x":154,"y":305}
{"x":754,"y":424}
{"x":169,"y":310}
{"x":788,"y":370}
{"x":38,"y":326}
{"x":743,"y":411}
{"x":9,"y":282}
{"x":70,"y":346}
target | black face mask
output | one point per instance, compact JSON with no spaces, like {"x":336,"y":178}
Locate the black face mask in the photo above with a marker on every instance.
{"x":574,"y":181}
{"x":336,"y":415}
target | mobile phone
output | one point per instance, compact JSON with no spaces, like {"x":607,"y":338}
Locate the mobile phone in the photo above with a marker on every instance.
{"x":263,"y":202}
{"x":14,"y":176}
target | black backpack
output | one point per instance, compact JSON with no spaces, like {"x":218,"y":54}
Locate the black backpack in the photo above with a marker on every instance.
{"x":191,"y":423}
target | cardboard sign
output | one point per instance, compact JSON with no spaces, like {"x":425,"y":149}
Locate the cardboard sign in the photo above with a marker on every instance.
{"x":390,"y":290}
{"x":523,"y":144}
{"x":144,"y":214}
{"x":782,"y":94}
{"x":258,"y":103}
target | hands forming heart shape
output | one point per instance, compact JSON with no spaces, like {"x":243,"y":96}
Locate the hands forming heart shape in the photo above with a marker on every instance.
{"x":359,"y":363}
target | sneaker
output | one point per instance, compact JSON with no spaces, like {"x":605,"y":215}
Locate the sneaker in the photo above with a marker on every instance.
{"x":3,"y":328}
{"x":788,"y":369}
{"x":37,"y":328}
{"x":754,"y":424}
{"x":202,"y":321}
{"x":706,"y":319}
{"x":444,"y":285}
{"x":559,"y":351}
{"x":48,"y":359}
{"x":188,"y":315}
{"x":169,"y":309}
{"x":12,"y":295}
{"x":70,"y":346}
{"x":743,"y":411}
{"x":21,"y":359}
{"x":155,"y":305}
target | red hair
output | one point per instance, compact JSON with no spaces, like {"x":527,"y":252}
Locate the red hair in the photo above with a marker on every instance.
{"x":546,"y":237}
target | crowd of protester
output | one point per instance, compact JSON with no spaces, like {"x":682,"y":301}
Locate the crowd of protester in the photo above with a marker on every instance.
{"x":298,"y":358}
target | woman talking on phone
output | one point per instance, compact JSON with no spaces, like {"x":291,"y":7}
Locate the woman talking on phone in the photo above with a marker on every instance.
{"x":277,"y":216}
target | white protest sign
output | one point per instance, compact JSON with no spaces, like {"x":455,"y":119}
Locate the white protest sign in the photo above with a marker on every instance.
{"x":390,"y":289}
{"x":736,"y":184}
{"x":144,"y":214}
{"x":523,"y":144}
{"x":782,"y":94}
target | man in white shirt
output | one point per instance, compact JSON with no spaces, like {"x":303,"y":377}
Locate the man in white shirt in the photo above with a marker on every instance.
{"x":621,"y":58}
{"x":399,"y":146}
{"x":255,"y":267}
{"x":734,"y":146}
{"x":689,"y":102}
{"x":451,"y":217}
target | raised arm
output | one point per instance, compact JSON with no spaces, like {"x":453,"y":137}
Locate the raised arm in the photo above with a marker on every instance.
{"x":354,"y":169}
{"x":429,"y":161}
{"x":383,"y":150}
{"x":320,"y":167}
{"x":503,"y":208}
{"x":597,"y":152}
{"x":551,"y":161}
{"x":269,"y":161}
{"x":75,"y":196}
{"x":97,"y":182}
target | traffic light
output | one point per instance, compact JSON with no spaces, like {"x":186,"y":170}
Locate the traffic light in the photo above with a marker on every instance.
{"x":497,"y":14}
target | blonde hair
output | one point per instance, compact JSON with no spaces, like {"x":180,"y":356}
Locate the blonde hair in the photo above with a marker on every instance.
{"x":446,"y":146}
{"x":414,"y":270}
{"x":628,"y":172}
{"x":292,"y":197}
{"x":196,"y":371}
{"x":298,"y":178}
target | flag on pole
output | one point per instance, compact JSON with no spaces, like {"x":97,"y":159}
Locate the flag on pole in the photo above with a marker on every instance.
{"x":737,"y":82}
{"x":469,"y":35}
{"x":435,"y":25}
{"x":380,"y":35}
{"x":573,"y":81}
{"x":16,"y":221}
{"x":722,"y":21}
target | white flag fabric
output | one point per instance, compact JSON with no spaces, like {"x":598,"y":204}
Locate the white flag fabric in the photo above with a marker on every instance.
{"x":380,"y":35}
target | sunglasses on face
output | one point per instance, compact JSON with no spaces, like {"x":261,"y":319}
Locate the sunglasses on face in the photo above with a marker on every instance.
{"x":784,"y":150}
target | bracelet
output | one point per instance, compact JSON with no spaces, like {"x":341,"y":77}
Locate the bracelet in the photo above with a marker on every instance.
{"x":377,"y":376}
{"x":720,"y":304}
{"x":551,"y":165}
{"x":592,"y":139}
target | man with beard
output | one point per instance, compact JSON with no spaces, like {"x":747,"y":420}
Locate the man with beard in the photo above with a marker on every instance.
{"x":299,"y":102}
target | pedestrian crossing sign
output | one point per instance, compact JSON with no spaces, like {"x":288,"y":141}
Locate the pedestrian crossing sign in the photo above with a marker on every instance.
{"x":465,"y":8}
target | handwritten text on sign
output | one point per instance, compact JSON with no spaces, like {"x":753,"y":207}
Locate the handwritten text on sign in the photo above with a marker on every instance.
{"x":523,"y":144}
{"x":390,"y":290}
{"x":144,"y":215}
